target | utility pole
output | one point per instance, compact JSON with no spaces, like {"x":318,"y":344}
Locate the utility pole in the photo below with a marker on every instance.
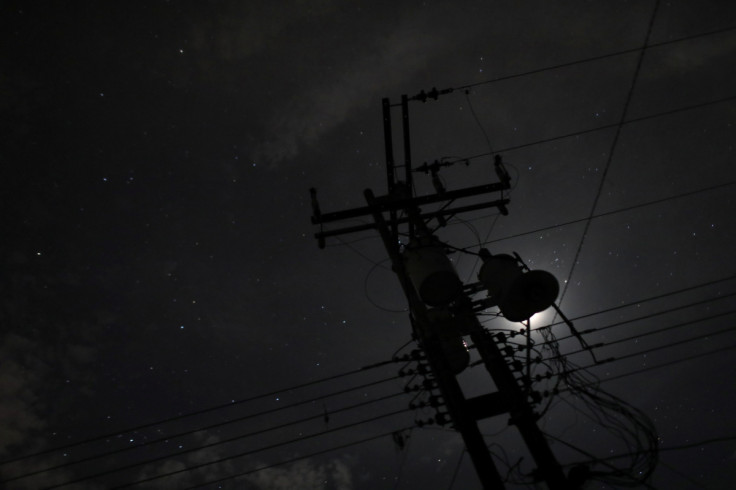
{"x":442,"y":309}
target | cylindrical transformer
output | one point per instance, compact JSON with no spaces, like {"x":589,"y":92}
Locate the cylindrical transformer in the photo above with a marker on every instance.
{"x":431,"y":272}
{"x":456,"y":354}
{"x":449,"y":331}
{"x":518,"y":294}
{"x":497,"y":273}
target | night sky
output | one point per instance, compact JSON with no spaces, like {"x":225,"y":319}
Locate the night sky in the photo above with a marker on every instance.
{"x":159,"y":259}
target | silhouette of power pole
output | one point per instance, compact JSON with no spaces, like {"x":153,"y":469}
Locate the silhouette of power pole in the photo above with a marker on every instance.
{"x":442,"y":309}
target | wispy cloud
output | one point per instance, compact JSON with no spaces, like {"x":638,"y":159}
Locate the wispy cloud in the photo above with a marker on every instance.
{"x":305,"y":117}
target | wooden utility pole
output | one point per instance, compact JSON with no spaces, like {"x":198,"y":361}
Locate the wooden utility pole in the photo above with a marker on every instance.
{"x":400,"y":208}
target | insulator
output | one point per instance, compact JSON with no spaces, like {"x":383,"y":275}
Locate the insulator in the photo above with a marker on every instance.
{"x":509,"y":351}
{"x":535,"y":396}
{"x":315,"y":204}
{"x":501,"y":172}
{"x":429,"y":384}
{"x":517,"y":366}
{"x":437,"y":183}
{"x":500,"y":337}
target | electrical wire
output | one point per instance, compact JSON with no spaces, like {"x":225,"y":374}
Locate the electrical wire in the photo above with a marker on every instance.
{"x":645,"y":300}
{"x":669,"y":363}
{"x":490,"y":153}
{"x":189,"y":414}
{"x":234,"y":456}
{"x":292,"y":460}
{"x":596,"y":58}
{"x":660,"y":347}
{"x":404,"y":455}
{"x":663,"y":449}
{"x":670,"y":112}
{"x":457,"y":470}
{"x":621,"y":478}
{"x":488,"y":235}
{"x":611,"y":152}
{"x":662,"y":330}
{"x":219,"y":424}
{"x":231,"y":439}
{"x":682,"y":475}
{"x":618,"y":125}
{"x":652,"y":315}
{"x":376,"y":265}
{"x":679,"y":447}
{"x":607,"y":213}
{"x":480,"y":126}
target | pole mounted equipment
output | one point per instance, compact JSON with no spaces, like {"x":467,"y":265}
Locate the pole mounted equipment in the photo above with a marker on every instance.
{"x":442,"y":313}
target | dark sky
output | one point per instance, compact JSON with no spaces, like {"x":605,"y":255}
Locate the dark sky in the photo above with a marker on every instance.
{"x":158,"y":256}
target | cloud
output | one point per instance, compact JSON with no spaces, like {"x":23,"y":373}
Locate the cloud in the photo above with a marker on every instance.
{"x":21,"y":379}
{"x":305,"y":117}
{"x":25,"y":368}
{"x":43,"y":356}
{"x":248,"y":28}
{"x":305,"y":475}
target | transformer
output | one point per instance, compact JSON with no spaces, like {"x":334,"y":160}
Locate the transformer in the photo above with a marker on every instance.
{"x":518,"y":294}
{"x":431,"y":272}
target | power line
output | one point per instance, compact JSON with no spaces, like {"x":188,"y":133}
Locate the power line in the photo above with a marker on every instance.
{"x":405,"y":450}
{"x":662,"y":449}
{"x":653,"y":332}
{"x":644,"y":317}
{"x":681,"y":474}
{"x":292,"y":460}
{"x":653,"y":349}
{"x":232,"y":439}
{"x":595,"y":58}
{"x":607,"y":213}
{"x":611,"y":152}
{"x":190,"y":414}
{"x":666,"y":364}
{"x":220,"y":424}
{"x":602,"y":460}
{"x":457,"y":469}
{"x":679,"y":447}
{"x":605,"y":126}
{"x":651,"y":298}
{"x":238,"y":455}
